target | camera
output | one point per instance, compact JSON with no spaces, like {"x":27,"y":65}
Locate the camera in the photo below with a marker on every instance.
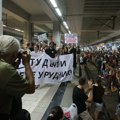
{"x":19,"y":56}
{"x":20,"y":53}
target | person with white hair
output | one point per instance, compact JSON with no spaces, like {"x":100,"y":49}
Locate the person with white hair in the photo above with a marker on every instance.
{"x":11,"y":83}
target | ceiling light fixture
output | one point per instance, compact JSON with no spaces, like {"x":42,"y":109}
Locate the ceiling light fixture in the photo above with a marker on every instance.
{"x":69,"y":32}
{"x":58,"y":12}
{"x":53,"y":2}
{"x":65,"y":24}
{"x":4,"y":25}
{"x":13,"y":28}
{"x":18,"y":30}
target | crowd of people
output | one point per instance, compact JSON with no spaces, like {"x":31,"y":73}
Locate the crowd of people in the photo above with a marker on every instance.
{"x":53,"y":51}
{"x":108,"y":67}
{"x":13,"y":86}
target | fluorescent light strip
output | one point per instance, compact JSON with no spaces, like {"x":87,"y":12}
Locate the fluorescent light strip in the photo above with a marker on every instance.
{"x":69,"y":32}
{"x":18,"y":30}
{"x":65,"y":24}
{"x":4,"y":25}
{"x":58,"y":12}
{"x":13,"y":28}
{"x":53,"y":2}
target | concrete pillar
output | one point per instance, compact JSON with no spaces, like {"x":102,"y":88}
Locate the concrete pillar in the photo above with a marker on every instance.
{"x":1,"y":22}
{"x":28,"y":32}
{"x":79,"y":40}
{"x":57,"y":32}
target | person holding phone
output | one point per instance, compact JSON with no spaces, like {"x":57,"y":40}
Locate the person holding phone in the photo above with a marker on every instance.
{"x":11,"y":83}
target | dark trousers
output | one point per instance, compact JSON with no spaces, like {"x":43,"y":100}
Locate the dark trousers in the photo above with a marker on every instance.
{"x":17,"y":113}
{"x":21,"y":115}
{"x":4,"y":116}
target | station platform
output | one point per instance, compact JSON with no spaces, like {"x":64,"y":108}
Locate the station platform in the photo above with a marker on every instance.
{"x":40,"y":103}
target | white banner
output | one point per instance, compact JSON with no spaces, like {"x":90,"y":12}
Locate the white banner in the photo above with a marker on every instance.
{"x":48,"y":70}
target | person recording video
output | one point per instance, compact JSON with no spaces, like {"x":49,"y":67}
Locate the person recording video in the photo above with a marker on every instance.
{"x":11,"y":83}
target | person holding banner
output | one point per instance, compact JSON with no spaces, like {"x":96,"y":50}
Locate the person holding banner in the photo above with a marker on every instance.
{"x":73,"y":51}
{"x":11,"y":83}
{"x":36,"y":49}
{"x":78,"y":54}
{"x":51,"y":51}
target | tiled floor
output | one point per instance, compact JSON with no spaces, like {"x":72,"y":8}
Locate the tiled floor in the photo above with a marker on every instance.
{"x":43,"y":104}
{"x":30,"y":101}
{"x":38,"y":102}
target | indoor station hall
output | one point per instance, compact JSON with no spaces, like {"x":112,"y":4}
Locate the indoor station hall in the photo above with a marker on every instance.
{"x":59,"y":59}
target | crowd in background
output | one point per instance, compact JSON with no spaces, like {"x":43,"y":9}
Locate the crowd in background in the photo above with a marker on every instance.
{"x":107,"y":63}
{"x":52,"y":50}
{"x":108,"y":67}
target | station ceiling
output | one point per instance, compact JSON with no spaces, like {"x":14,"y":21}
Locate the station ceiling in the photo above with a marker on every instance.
{"x":90,"y":19}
